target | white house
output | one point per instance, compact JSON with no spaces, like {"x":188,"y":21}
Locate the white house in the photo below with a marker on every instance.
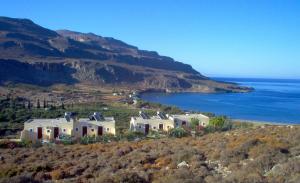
{"x":164,"y":122}
{"x":144,"y":123}
{"x":185,"y":119}
{"x":50,"y":129}
{"x":96,"y":125}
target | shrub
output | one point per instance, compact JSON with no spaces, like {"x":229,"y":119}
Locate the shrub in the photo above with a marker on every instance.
{"x":220,"y":123}
{"x":217,"y":122}
{"x":25,"y":143}
{"x":57,"y":174}
{"x":178,"y":133}
{"x":130,"y":136}
{"x":194,"y":123}
{"x":65,"y":139}
{"x":130,"y":178}
{"x":107,"y":138}
{"x":154,"y":134}
{"x":88,"y":140}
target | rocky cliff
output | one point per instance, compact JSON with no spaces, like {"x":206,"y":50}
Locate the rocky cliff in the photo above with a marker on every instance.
{"x":35,"y":55}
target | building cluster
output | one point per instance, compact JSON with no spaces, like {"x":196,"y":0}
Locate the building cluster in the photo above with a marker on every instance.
{"x":98,"y":125}
{"x":50,"y":129}
{"x":164,"y":122}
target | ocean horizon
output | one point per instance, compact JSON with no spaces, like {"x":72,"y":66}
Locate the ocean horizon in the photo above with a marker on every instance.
{"x":273,"y":100}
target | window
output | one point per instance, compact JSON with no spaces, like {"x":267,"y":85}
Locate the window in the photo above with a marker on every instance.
{"x":31,"y":130}
{"x":140,"y":126}
{"x":48,"y":131}
{"x":76,"y":129}
{"x":154,"y":127}
{"x":92,"y":129}
{"x":107,"y":129}
{"x":64,"y":130}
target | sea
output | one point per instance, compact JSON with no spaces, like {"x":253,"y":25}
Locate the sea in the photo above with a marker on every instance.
{"x":273,"y":100}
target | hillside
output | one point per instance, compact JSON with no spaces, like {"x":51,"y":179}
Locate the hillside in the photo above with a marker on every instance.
{"x":35,"y":55}
{"x":259,"y":154}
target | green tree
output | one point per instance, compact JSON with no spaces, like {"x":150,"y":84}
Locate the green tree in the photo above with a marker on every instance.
{"x":194,"y":123}
{"x":217,"y":122}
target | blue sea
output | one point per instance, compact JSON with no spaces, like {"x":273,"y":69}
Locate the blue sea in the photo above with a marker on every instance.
{"x":273,"y":100}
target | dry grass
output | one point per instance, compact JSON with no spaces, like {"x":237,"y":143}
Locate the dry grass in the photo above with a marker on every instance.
{"x":236,"y":156}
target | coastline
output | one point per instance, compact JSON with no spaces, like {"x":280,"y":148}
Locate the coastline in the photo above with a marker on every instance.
{"x":255,"y":122}
{"x":260,"y":123}
{"x":260,"y":106}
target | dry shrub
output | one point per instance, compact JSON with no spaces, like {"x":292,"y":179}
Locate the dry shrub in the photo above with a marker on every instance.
{"x":9,"y":171}
{"x":162,"y":162}
{"x":58,"y":174}
{"x":128,"y":177}
{"x":41,"y":176}
{"x":156,"y":160}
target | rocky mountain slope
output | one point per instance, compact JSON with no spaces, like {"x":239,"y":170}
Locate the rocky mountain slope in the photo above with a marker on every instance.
{"x":35,"y":55}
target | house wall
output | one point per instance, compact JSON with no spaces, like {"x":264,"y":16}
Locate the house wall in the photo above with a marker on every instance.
{"x":71,"y":127}
{"x":139,"y":125}
{"x":30,"y":131}
{"x":179,"y":119}
{"x":92,"y":128}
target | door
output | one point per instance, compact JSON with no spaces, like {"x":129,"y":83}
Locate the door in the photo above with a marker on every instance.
{"x":56,"y":132}
{"x":184,"y":123}
{"x":100,"y":130}
{"x":84,"y":131}
{"x":161,"y":126}
{"x":146,"y":128}
{"x":40,"y":132}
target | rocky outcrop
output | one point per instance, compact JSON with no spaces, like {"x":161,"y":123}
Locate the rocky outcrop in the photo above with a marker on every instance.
{"x":35,"y":55}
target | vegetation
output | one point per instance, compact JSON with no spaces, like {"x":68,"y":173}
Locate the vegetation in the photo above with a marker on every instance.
{"x":194,"y":123}
{"x":258,"y":154}
{"x":158,"y":106}
{"x":219,"y":123}
{"x":14,"y":111}
{"x":178,"y":133}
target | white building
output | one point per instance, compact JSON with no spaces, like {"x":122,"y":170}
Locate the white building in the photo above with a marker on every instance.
{"x":144,"y":123}
{"x":185,"y":119}
{"x":50,"y":129}
{"x":164,"y":122}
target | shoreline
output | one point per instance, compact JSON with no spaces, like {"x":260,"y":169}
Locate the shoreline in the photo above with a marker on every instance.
{"x":256,"y":122}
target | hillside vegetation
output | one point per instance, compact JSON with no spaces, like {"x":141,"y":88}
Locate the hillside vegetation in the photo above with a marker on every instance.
{"x":256,"y":154}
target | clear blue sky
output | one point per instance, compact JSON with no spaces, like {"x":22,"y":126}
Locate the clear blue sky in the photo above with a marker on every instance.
{"x":238,"y":38}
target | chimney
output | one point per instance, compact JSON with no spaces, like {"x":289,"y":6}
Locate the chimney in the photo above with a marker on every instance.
{"x":68,"y":116}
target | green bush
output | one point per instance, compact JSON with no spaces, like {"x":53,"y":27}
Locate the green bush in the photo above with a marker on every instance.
{"x":88,"y":140}
{"x":66,"y":139}
{"x":154,"y":134}
{"x":178,"y":133}
{"x":107,"y":138}
{"x":25,"y":143}
{"x":130,"y":136}
{"x":219,"y":123}
{"x":194,"y":123}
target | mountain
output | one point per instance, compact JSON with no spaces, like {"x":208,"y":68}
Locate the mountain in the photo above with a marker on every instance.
{"x":35,"y":55}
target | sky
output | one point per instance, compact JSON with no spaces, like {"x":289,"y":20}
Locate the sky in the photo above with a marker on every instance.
{"x":219,"y":38}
